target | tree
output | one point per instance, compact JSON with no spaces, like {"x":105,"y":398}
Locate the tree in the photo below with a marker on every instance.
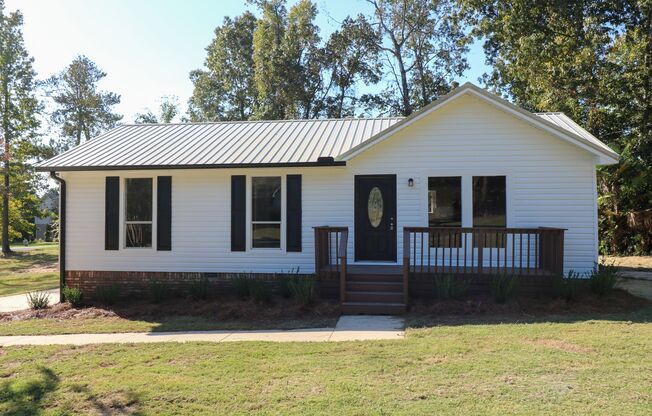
{"x":593,"y":61}
{"x":225,"y":89}
{"x":424,"y":48}
{"x":351,"y":56}
{"x":18,"y":111}
{"x":168,"y":110}
{"x":82,"y":110}
{"x":288,"y":61}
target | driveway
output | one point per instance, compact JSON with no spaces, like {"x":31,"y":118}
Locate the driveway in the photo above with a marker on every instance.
{"x":19,"y":302}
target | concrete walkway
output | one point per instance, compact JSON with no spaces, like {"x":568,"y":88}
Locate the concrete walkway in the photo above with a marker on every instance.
{"x":19,"y":302}
{"x":348,"y":328}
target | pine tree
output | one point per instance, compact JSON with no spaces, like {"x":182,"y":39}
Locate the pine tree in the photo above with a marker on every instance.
{"x":18,"y":110}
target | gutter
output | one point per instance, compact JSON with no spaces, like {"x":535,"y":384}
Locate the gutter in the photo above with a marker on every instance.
{"x":62,"y":233}
{"x":325,"y":162}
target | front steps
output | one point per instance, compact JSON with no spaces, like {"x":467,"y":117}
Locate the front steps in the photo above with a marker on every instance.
{"x":374,"y":294}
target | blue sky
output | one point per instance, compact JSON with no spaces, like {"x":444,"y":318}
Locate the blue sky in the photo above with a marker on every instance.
{"x":148,"y":47}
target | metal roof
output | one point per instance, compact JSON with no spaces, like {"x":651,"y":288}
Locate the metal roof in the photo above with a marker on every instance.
{"x":566,"y":123}
{"x":239,"y":143}
{"x":276,"y":143}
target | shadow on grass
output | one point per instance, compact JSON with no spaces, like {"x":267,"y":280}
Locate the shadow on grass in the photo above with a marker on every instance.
{"x":25,"y":398}
{"x":180,"y":314}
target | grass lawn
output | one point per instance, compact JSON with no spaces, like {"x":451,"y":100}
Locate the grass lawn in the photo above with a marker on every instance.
{"x":594,"y":366}
{"x":28,"y":270}
{"x":101,"y":325}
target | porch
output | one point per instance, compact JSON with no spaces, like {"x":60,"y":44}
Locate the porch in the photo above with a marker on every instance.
{"x":476,"y":254}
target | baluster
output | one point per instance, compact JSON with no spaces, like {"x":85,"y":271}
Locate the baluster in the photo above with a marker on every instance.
{"x":528,"y":252}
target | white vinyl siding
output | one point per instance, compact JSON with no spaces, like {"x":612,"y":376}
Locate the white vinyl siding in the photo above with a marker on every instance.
{"x":550,"y":183}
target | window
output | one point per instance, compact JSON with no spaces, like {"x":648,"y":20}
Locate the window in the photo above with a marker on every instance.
{"x":490,"y":207}
{"x":445,"y":209}
{"x":266,"y":212}
{"x":489,"y":201}
{"x":138,"y":212}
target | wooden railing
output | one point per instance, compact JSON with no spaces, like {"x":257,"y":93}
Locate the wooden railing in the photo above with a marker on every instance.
{"x":330,"y":253}
{"x":522,"y":251}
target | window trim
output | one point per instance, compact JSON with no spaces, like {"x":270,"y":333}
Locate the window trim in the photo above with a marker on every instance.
{"x":467,"y":191}
{"x":123,"y":213}
{"x":249,"y":213}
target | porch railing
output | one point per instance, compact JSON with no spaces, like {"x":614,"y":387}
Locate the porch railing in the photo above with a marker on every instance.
{"x":330,"y":253}
{"x":475,"y":250}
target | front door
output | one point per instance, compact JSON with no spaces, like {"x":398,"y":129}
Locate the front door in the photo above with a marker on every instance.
{"x":375,"y":217}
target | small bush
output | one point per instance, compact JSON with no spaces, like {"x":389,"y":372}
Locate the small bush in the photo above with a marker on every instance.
{"x":242,"y":286}
{"x":108,"y":294}
{"x":568,"y":287}
{"x":503,"y":287}
{"x":449,"y":286}
{"x":260,"y":291}
{"x":199,"y":289}
{"x":603,"y":278}
{"x":158,"y":291}
{"x":38,"y":300}
{"x":72,"y":295}
{"x":302,"y":289}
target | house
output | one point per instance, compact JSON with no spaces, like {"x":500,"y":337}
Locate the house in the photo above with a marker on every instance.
{"x":50,"y":206}
{"x":470,"y":184}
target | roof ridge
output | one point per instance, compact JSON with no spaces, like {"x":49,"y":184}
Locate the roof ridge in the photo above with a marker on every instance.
{"x":188,"y":123}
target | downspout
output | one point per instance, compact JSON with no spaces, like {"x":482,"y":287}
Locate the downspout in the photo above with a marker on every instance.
{"x":62,"y":233}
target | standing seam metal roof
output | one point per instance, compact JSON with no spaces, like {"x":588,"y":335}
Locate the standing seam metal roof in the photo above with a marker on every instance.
{"x":221,"y":143}
{"x":256,"y":143}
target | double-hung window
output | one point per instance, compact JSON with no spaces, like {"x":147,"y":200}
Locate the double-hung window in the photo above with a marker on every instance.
{"x":266,"y":199}
{"x":138,"y":212}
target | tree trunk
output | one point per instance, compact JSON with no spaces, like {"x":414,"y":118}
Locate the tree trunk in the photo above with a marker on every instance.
{"x":5,"y":199}
{"x":405,"y":89}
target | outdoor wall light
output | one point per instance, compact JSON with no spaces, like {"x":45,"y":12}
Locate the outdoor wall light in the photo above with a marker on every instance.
{"x":410,"y":182}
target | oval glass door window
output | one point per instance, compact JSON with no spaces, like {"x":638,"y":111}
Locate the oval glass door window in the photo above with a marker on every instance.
{"x":375,"y":206}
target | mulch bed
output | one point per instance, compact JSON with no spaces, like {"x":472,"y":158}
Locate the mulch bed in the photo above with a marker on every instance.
{"x":523,"y":308}
{"x":223,"y":310}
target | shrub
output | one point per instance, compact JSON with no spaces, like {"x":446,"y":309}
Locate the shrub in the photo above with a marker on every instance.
{"x":72,"y":295}
{"x":107,"y":294}
{"x":199,"y":289}
{"x":449,"y":286}
{"x":503,"y":287}
{"x":242,"y":286}
{"x":603,"y":278}
{"x":38,"y":300}
{"x":158,"y":291}
{"x":568,"y":287}
{"x":302,"y":289}
{"x":260,"y":291}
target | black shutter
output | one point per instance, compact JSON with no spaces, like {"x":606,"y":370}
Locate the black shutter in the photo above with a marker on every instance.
{"x":293,"y":231}
{"x":112,"y":213}
{"x":238,"y":212}
{"x":164,"y":213}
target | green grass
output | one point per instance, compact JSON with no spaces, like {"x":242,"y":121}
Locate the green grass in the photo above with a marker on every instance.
{"x":585,"y":367}
{"x":101,"y":325}
{"x":22,"y":272}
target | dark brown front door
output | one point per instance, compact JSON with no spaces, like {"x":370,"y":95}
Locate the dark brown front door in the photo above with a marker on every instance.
{"x":375,"y":217}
